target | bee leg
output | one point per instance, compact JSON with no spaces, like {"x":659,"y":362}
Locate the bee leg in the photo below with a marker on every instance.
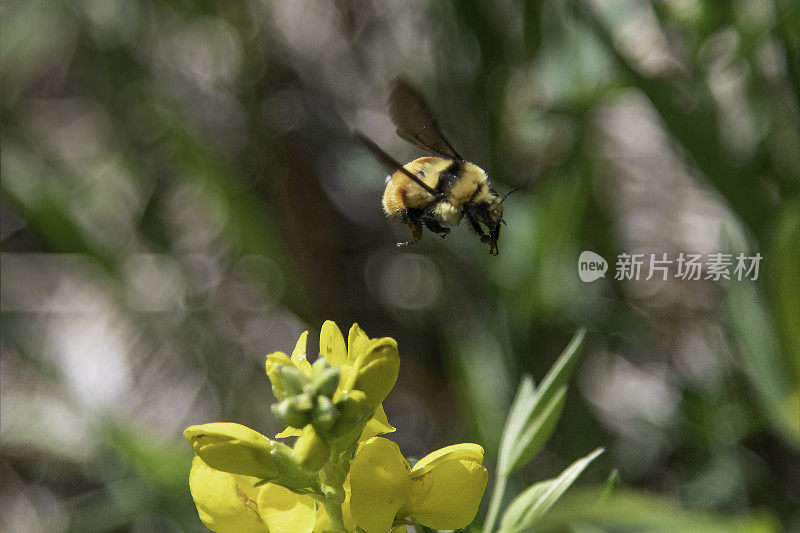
{"x":416,"y":232}
{"x":477,"y":227}
{"x":412,"y":220}
{"x":432,"y":224}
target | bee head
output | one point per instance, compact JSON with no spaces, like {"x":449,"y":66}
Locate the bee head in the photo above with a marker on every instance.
{"x":490,"y":213}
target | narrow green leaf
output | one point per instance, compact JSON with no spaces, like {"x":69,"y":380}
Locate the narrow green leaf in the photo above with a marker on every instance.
{"x":561,"y":371}
{"x":630,"y":510}
{"x":515,"y":512}
{"x":550,"y":494}
{"x":523,"y":404}
{"x":536,"y":432}
{"x":752,"y":331}
{"x":535,"y":411}
{"x":608,"y":487}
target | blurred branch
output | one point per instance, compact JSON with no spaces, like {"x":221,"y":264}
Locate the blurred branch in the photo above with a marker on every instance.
{"x":788,"y":28}
{"x":695,"y":128}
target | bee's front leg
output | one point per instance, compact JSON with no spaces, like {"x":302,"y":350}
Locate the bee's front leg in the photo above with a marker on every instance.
{"x":473,"y":221}
{"x":412,"y":220}
{"x":416,"y":233}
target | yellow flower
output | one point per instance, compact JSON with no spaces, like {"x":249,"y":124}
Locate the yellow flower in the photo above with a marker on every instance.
{"x":368,"y":365}
{"x":448,"y":486}
{"x":380,"y":481}
{"x":442,"y":491}
{"x":374,"y":370}
{"x":243,"y":481}
{"x":229,"y":503}
{"x":237,"y":449}
{"x":233,"y":448}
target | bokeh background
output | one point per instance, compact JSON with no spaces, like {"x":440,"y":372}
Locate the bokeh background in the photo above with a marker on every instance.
{"x":181,"y":195}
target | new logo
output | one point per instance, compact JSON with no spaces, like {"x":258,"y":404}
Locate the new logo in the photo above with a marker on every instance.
{"x":591,"y":266}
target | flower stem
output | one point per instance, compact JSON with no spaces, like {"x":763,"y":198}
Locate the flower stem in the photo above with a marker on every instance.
{"x":332,"y":477}
{"x":334,"y":512}
{"x":494,"y":505}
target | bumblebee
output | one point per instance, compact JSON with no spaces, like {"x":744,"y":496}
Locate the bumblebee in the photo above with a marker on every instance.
{"x":435,"y":192}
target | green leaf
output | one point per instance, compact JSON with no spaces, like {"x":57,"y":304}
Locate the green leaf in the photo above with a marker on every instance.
{"x":752,"y":332}
{"x":608,"y":487}
{"x":629,"y":510}
{"x":515,"y":512}
{"x":538,"y":430}
{"x":531,"y":505}
{"x":535,"y":411}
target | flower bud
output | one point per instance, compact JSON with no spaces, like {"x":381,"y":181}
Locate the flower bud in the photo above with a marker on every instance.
{"x":319,"y":366}
{"x":289,"y":415}
{"x":291,"y":474}
{"x":310,"y":450}
{"x":233,"y":448}
{"x":325,"y":413}
{"x":327,"y":381}
{"x":293,"y":380}
{"x":276,"y":361}
{"x":354,"y":412}
{"x":302,"y":402}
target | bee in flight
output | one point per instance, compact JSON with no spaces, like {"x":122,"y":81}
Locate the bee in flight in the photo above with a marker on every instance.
{"x":435,"y":192}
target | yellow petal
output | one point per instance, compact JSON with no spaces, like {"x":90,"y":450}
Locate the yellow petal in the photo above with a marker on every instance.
{"x":375,"y":372}
{"x":283,"y":510}
{"x":272,"y":367}
{"x":289,"y":432}
{"x":466,"y":450}
{"x":225,"y":502}
{"x":447,"y":488}
{"x":299,"y":354}
{"x":347,"y":511}
{"x":377,"y":425}
{"x":232,"y":448}
{"x":331,"y":344}
{"x":344,"y":377}
{"x":380,"y":483}
{"x":277,"y":359}
{"x":357,"y":342}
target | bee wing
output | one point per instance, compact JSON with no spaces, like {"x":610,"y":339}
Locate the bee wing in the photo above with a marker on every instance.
{"x":415,"y":122}
{"x":391,"y":162}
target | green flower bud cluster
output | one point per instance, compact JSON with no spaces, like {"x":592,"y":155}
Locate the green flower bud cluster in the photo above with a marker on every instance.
{"x":306,"y":399}
{"x":309,"y":402}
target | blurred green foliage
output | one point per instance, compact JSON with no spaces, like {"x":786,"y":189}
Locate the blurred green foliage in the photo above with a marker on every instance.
{"x":180,"y":195}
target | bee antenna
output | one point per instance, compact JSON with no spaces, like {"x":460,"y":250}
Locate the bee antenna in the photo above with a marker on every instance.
{"x":515,"y":189}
